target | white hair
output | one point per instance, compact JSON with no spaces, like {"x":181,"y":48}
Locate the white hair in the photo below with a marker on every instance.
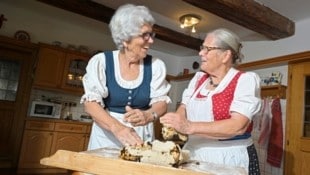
{"x":127,"y":22}
{"x":229,"y":40}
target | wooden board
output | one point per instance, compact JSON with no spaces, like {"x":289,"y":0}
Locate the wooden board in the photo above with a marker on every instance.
{"x":95,"y":162}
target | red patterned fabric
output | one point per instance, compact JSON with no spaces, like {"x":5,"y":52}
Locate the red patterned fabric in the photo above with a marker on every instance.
{"x":275,"y":145}
{"x":222,"y":101}
{"x":199,"y":83}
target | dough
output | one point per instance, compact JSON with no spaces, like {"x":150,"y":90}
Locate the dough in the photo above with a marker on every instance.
{"x":159,"y":153}
{"x":169,"y":133}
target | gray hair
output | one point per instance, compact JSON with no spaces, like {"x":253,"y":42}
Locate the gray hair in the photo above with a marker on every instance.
{"x":127,"y":22}
{"x":228,"y":40}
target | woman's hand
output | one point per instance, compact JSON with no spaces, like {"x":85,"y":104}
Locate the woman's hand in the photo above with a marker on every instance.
{"x":137,"y":117}
{"x":126,"y":135}
{"x":176,"y":121}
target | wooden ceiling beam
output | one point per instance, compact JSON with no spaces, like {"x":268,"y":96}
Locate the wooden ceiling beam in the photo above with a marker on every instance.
{"x":102,"y":13}
{"x":251,"y":15}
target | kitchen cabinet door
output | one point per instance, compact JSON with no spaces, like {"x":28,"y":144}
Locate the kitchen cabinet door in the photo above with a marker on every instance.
{"x":75,"y":68}
{"x":35,"y":146}
{"x":68,"y":141}
{"x":49,"y":68}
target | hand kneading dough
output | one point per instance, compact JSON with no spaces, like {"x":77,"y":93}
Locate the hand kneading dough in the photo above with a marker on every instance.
{"x":169,"y":133}
{"x":159,"y":153}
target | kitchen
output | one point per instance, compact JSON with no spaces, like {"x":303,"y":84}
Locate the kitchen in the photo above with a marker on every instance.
{"x":254,"y":51}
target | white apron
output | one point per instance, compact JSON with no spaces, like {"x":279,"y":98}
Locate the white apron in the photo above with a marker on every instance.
{"x":101,"y":138}
{"x":232,"y":153}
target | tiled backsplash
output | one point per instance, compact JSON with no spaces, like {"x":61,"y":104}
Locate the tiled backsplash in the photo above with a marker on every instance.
{"x":76,"y":110}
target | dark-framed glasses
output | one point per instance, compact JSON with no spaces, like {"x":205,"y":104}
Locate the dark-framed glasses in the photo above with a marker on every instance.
{"x":147,"y":35}
{"x":208,"y":49}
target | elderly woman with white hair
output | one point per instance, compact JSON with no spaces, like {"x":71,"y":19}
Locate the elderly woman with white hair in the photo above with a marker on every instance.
{"x":218,"y":106}
{"x":126,"y":89}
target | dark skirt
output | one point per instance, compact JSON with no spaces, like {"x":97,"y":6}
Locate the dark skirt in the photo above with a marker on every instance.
{"x":253,"y":161}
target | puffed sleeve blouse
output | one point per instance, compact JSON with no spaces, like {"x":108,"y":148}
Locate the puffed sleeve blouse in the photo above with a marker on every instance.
{"x":94,"y":81}
{"x":246,"y":96}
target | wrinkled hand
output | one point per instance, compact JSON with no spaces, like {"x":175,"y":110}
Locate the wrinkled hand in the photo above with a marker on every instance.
{"x":135,"y":116}
{"x":176,"y":121}
{"x":127,"y":136}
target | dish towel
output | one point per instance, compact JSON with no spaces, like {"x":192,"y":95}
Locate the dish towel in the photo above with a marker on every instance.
{"x":275,"y":145}
{"x":264,"y":124}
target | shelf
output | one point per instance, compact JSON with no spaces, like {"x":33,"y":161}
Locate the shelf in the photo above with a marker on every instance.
{"x":273,"y":91}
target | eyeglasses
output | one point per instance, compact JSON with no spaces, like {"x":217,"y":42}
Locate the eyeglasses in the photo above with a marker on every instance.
{"x":147,"y":35}
{"x":208,"y":49}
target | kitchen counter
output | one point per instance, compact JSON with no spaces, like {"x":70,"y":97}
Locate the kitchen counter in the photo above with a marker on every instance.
{"x":105,"y":161}
{"x":57,"y":120}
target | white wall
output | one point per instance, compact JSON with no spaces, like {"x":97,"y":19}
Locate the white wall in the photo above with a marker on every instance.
{"x":43,"y":25}
{"x":176,"y":64}
{"x":299,"y":42}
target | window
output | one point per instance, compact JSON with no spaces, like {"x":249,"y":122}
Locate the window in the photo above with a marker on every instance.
{"x":9,"y":78}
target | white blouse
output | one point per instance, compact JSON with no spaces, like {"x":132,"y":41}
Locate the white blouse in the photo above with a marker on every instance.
{"x":246,"y":97}
{"x":95,"y":88}
{"x":94,"y":81}
{"x":246,"y":101}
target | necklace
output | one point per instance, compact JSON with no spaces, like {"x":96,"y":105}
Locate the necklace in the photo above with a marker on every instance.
{"x":212,"y":84}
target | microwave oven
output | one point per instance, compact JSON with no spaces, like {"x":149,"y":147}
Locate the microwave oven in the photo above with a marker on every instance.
{"x":45,"y":109}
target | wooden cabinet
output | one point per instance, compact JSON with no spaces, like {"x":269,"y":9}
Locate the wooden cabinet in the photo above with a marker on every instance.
{"x":75,"y":68}
{"x":35,"y":146}
{"x":43,"y":138}
{"x":69,"y":137}
{"x":49,"y":68}
{"x":60,"y":69}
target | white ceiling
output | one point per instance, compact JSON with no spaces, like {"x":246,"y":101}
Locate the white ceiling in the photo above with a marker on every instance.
{"x":167,"y":14}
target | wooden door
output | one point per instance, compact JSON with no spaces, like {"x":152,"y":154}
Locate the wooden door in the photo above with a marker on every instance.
{"x":297,"y":156}
{"x":36,"y":145}
{"x":17,"y":60}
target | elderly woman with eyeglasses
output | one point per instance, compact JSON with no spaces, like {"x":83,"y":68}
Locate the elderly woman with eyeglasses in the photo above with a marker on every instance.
{"x":218,"y":106}
{"x":126,"y":89}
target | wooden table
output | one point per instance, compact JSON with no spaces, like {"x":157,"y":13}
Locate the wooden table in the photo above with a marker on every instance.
{"x":102,"y":163}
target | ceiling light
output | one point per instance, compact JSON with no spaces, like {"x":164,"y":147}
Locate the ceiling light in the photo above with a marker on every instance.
{"x":190,"y":21}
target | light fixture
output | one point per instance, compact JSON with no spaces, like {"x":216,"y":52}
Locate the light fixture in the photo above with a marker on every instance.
{"x":190,"y":21}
